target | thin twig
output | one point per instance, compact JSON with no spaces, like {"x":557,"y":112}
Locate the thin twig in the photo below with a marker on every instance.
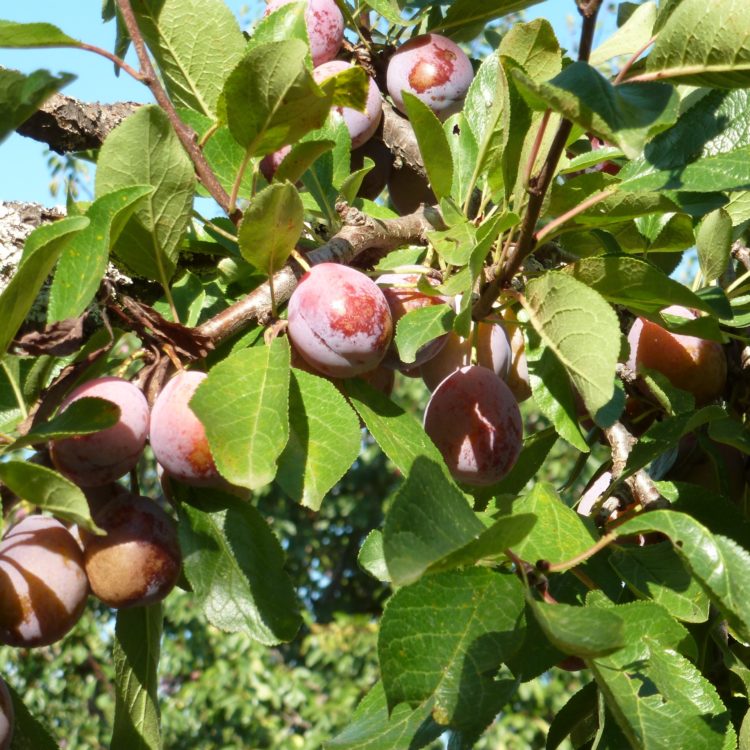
{"x":184,"y":133}
{"x":539,"y":185}
{"x":592,"y":200}
{"x":634,"y":58}
{"x":113,"y":58}
{"x":578,"y":559}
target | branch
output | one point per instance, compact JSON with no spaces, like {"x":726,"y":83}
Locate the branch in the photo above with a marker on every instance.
{"x":539,"y":185}
{"x":358,"y":234}
{"x":66,"y":124}
{"x":741,"y":253}
{"x":17,"y":222}
{"x":640,"y":484}
{"x":398,"y":136}
{"x":184,"y":133}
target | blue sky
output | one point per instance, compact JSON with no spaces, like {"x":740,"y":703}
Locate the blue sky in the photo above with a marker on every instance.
{"x":24,"y":174}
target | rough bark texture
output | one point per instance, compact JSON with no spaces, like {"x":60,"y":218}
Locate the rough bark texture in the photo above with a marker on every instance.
{"x":17,"y":222}
{"x":398,"y":136}
{"x":66,"y":124}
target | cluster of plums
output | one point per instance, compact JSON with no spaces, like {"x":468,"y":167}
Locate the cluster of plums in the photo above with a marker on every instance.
{"x":431,"y":67}
{"x":341,"y":325}
{"x":47,"y":570}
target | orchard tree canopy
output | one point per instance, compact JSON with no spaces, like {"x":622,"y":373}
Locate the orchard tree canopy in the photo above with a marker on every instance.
{"x":396,"y":317}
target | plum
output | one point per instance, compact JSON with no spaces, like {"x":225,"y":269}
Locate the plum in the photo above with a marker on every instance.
{"x":518,"y":374}
{"x":43,"y":584}
{"x":100,"y":458}
{"x":178,"y":438}
{"x":138,"y":561}
{"x":361,"y":125}
{"x":325,"y":27}
{"x":493,"y":352}
{"x":7,"y":716}
{"x":377,"y":178}
{"x":475,"y":422}
{"x":400,"y":290}
{"x":434,"y":69}
{"x":339,"y":321}
{"x":408,"y":190}
{"x":692,"y":364}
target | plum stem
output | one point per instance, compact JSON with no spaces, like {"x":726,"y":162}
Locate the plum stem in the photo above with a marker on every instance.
{"x":561,"y":567}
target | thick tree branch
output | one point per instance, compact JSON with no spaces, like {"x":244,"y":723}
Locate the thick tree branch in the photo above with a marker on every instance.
{"x":359,"y":233}
{"x":66,"y":124}
{"x":539,"y":185}
{"x":398,"y":136}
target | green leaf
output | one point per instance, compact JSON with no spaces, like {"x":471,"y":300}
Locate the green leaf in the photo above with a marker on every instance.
{"x":631,"y":37}
{"x":18,"y":35}
{"x":454,"y":245}
{"x":270,"y":99}
{"x":83,"y":262}
{"x":396,"y":431}
{"x":714,"y":243}
{"x":580,"y":709}
{"x":433,"y":144}
{"x":656,"y":572}
{"x":371,"y":557}
{"x":324,"y":440}
{"x":536,"y":448}
{"x":22,"y":95}
{"x":465,"y":16}
{"x":271,"y":227}
{"x":144,"y":150}
{"x":627,"y":116}
{"x":730,"y":432}
{"x":300,"y":159}
{"x":581,"y":631}
{"x":559,"y":533}
{"x":487,"y":111}
{"x":717,"y":562}
{"x":222,"y":152}
{"x":430,"y":526}
{"x":634,"y":283}
{"x":445,"y":637}
{"x":244,"y":406}
{"x":136,"y":658}
{"x":581,"y":329}
{"x":464,"y":155}
{"x":195,"y":43}
{"x":534,"y":48}
{"x":552,"y":392}
{"x":47,"y":489}
{"x":420,"y":326}
{"x":235,"y":566}
{"x":28,"y":733}
{"x":373,"y":727}
{"x":718,"y":56}
{"x":43,"y":248}
{"x":286,"y":22}
{"x":83,"y":416}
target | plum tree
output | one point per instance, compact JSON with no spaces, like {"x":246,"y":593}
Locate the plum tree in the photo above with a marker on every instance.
{"x":339,"y":321}
{"x":43,"y":584}
{"x":402,"y":295}
{"x":492,"y":351}
{"x":99,"y":458}
{"x":138,"y":561}
{"x":325,"y":27}
{"x":692,"y":364}
{"x":434,"y":69}
{"x":7,"y":716}
{"x":361,"y":125}
{"x":475,"y":422}
{"x":177,"y":436}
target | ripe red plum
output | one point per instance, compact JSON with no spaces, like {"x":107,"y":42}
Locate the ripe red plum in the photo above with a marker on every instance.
{"x":138,"y":561}
{"x":270,"y":164}
{"x":43,"y":585}
{"x":325,"y":27}
{"x":100,"y":458}
{"x":692,"y":364}
{"x":400,"y":290}
{"x":361,"y":125}
{"x":339,"y":321}
{"x":475,"y":422}
{"x":178,"y":437}
{"x":433,"y":68}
